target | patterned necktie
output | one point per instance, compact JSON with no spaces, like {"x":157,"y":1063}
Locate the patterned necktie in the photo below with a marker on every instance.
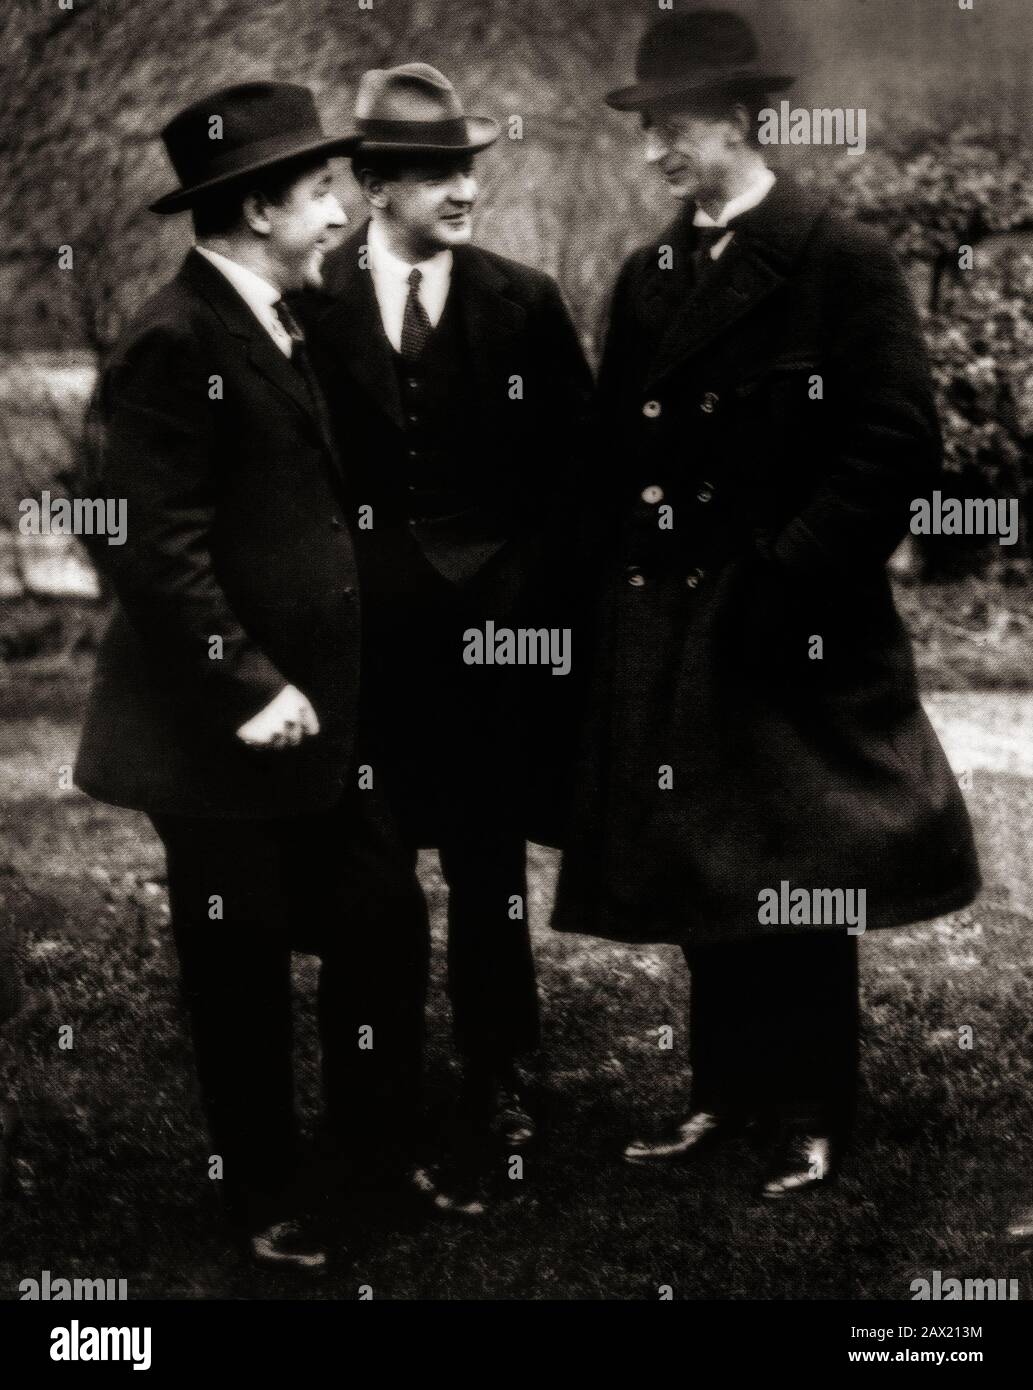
{"x":415,"y":323}
{"x":706,"y":239}
{"x":300,"y":358}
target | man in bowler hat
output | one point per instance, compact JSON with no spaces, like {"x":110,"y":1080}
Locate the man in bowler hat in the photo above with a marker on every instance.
{"x":459,"y":379}
{"x":759,"y":783}
{"x":226,"y":700}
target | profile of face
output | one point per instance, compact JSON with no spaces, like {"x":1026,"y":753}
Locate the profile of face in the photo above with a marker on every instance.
{"x":302,"y":226}
{"x":695,"y":153}
{"x":426,"y":207}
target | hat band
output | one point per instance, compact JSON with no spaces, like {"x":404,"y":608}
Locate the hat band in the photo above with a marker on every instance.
{"x":448,"y":132}
{"x":244,"y":157}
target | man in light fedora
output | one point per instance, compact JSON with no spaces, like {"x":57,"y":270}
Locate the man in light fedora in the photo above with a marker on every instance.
{"x":760,"y":783}
{"x":459,"y":380}
{"x":226,"y":699}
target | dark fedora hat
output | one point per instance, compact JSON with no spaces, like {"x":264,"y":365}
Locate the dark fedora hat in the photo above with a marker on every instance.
{"x":259,"y":125}
{"x":699,"y":53}
{"x":415,"y":108}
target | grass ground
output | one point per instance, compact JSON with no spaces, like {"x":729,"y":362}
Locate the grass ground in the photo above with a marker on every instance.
{"x":110,"y":1182}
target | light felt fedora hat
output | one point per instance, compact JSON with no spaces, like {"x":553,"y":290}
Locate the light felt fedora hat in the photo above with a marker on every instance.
{"x":703,"y":52}
{"x":414,"y":108}
{"x":261,"y":124}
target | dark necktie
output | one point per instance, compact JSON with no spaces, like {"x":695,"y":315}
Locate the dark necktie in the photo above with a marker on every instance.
{"x":300,"y":358}
{"x":415,"y":323}
{"x":706,"y":239}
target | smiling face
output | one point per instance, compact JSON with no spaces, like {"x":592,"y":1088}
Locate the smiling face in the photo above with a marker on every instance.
{"x":424,"y":207}
{"x":698,"y":154}
{"x":303,"y":224}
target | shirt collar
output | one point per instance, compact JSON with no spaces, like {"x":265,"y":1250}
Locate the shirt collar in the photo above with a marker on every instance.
{"x":257,"y":292}
{"x":752,"y":197}
{"x":384,"y":261}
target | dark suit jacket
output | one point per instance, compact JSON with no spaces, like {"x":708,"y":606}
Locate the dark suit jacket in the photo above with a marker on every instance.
{"x":782,"y":409}
{"x":515,"y":324}
{"x":235,"y":531}
{"x":530,"y":455}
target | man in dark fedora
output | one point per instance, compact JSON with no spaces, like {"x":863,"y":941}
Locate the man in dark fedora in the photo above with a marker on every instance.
{"x":459,"y":379}
{"x":759,"y":783}
{"x":226,"y":699}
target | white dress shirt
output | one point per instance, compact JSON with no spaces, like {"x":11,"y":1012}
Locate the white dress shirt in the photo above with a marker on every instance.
{"x":752,"y":197}
{"x":258,"y":294}
{"x":391,"y":283}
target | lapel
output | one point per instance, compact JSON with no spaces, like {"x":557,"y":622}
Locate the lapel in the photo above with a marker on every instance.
{"x":490,"y":317}
{"x":262,"y":353}
{"x":768,"y":242}
{"x":349,"y":322}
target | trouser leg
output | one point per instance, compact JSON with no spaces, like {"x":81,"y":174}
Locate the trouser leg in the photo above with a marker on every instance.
{"x":491,"y":976}
{"x":235,"y":977}
{"x":774,"y":1028}
{"x":372,"y":997}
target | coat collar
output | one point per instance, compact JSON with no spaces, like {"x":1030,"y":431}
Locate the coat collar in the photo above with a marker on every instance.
{"x":349,"y":322}
{"x":769,"y":240}
{"x":199,"y":275}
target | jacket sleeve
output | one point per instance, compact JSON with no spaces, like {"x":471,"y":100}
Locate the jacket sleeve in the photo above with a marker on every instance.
{"x":158,"y":453}
{"x":886,"y":448}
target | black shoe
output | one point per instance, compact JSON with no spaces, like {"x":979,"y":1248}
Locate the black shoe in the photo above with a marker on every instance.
{"x":693,"y":1136}
{"x":497,"y":1105}
{"x":1020,"y":1227}
{"x":454,"y":1191}
{"x":803,"y":1162}
{"x":289,"y":1248}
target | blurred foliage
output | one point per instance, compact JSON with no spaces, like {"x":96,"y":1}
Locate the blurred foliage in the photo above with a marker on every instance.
{"x":84,"y":91}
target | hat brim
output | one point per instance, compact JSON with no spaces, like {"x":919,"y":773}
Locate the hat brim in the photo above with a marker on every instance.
{"x":180,"y":199}
{"x":644,"y":94}
{"x":481,"y":131}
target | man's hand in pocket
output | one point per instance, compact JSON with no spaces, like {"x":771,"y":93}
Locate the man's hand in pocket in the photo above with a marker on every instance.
{"x":285,"y":721}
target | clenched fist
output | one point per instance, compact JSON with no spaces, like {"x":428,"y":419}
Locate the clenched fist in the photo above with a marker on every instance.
{"x":284,"y":722}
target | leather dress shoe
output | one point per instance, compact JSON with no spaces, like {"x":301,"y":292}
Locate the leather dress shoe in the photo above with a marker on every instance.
{"x":497,"y":1105}
{"x":802,"y":1163}
{"x":1020,"y":1227}
{"x":457,"y":1193}
{"x":288,"y":1247}
{"x":693,"y":1136}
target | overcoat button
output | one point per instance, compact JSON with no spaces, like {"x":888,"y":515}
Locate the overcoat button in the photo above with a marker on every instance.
{"x":694,"y":578}
{"x":709,"y":402}
{"x":635,"y":577}
{"x":704,"y":494}
{"x":651,"y":409}
{"x":653,"y":495}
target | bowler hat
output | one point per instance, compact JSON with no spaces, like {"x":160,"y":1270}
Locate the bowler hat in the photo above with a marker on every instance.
{"x":237,"y":131}
{"x":415,"y":108}
{"x":699,"y":53}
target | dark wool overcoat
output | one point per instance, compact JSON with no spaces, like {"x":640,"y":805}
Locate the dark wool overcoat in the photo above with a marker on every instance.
{"x":754,"y":717}
{"x":236,"y":532}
